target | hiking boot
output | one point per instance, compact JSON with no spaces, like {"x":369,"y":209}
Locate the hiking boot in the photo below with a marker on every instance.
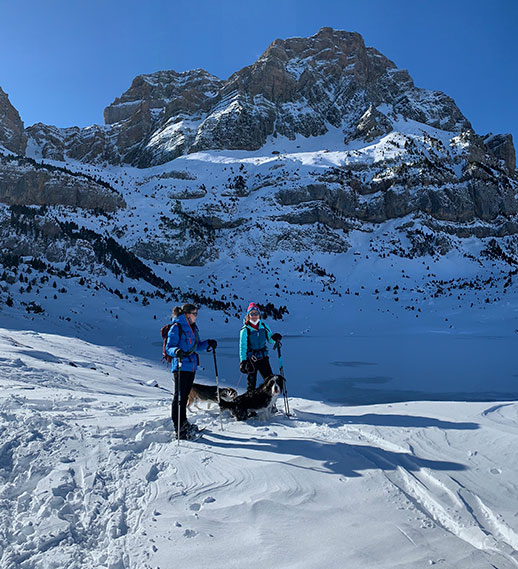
{"x":188,"y":431}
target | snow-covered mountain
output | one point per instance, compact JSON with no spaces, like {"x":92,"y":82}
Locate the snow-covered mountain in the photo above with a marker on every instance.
{"x":322,"y":153}
{"x":303,"y":86}
{"x":321,"y":144}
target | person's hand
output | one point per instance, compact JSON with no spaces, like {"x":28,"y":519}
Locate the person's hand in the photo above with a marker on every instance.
{"x":243,"y":366}
{"x":179,"y":353}
{"x":212,"y":344}
{"x":276,"y":337}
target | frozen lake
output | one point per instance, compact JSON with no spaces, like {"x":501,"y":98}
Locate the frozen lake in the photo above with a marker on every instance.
{"x":371,"y":369}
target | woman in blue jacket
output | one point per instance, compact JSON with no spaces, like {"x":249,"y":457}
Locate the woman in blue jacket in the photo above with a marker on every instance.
{"x":183,"y":341}
{"x":253,"y":350}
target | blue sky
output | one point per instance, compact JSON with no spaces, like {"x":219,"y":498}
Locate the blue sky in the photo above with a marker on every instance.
{"x":63,"y":61}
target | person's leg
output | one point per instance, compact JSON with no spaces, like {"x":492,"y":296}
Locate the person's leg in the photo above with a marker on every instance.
{"x":174,"y":404}
{"x":264,"y":368}
{"x":186,"y":381}
{"x":183,"y":380}
{"x":251,"y":378}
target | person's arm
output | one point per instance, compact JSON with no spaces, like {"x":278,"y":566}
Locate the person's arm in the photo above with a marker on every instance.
{"x":173,"y":341}
{"x":243,"y":344}
{"x":268,"y":334}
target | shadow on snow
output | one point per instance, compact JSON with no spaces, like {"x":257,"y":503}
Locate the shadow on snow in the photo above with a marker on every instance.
{"x":334,"y":457}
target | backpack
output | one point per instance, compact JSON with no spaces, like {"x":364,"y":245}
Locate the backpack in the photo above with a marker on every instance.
{"x":164,"y":332}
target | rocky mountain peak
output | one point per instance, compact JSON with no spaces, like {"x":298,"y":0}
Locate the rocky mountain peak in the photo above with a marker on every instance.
{"x":298,"y":86}
{"x":12,"y":134}
{"x":164,"y":91}
{"x":305,"y":85}
{"x":289,"y":68}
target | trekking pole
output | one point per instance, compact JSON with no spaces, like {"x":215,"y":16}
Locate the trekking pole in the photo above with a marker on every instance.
{"x":284,"y":388}
{"x":217,"y":386}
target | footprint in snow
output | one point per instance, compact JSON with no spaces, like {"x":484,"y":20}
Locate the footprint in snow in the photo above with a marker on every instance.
{"x":195,"y":507}
{"x":209,"y":500}
{"x":152,"y":475}
{"x":190,"y":533}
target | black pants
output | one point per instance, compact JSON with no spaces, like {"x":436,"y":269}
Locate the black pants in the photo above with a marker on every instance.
{"x":263,"y":367}
{"x":186,"y":381}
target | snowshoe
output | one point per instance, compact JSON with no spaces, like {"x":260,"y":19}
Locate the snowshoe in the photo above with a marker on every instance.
{"x":190,"y":432}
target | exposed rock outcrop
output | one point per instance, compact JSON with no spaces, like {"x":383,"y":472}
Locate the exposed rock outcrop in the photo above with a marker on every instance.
{"x":501,"y":145}
{"x":22,"y":182}
{"x":372,"y":124}
{"x":12,"y":134}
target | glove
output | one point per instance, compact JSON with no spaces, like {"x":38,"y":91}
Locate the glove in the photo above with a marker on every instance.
{"x":212,"y":344}
{"x":179,"y":353}
{"x":276,"y":337}
{"x":243,"y":366}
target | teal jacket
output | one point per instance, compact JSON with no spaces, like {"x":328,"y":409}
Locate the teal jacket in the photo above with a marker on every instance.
{"x":254,"y":342}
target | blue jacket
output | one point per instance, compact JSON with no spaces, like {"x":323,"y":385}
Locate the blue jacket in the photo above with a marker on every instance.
{"x":254,"y":342}
{"x":187,"y":340}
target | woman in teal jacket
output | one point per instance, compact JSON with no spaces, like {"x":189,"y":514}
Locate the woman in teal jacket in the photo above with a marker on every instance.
{"x":183,"y":341}
{"x":253,"y":350}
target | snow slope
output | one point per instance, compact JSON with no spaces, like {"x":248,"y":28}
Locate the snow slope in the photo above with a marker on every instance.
{"x":90,"y":475}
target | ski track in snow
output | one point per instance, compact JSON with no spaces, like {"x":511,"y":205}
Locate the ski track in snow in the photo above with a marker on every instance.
{"x":91,"y":476}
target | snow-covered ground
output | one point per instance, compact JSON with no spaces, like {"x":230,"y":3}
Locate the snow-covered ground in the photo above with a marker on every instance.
{"x":91,"y":476}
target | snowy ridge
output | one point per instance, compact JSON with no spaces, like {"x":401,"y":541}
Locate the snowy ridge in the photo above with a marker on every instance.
{"x":90,"y":474}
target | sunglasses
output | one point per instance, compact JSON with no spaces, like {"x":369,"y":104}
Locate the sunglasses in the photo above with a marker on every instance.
{"x":194,"y":313}
{"x":254,"y":313}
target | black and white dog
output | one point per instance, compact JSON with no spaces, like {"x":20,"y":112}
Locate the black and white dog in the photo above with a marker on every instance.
{"x":208,"y":393}
{"x":260,"y":403}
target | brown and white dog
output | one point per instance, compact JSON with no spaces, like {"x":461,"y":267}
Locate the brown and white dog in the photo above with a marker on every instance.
{"x":208,"y":394}
{"x":260,"y":403}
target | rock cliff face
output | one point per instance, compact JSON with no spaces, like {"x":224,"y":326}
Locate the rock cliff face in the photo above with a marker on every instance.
{"x":22,"y":182}
{"x":501,"y":145}
{"x":12,"y":134}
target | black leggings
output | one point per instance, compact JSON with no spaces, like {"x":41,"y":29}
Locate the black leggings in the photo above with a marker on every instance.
{"x":263,"y":367}
{"x":186,"y":381}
